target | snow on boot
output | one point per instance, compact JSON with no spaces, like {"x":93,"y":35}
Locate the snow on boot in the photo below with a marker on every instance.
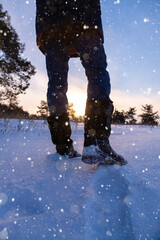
{"x":91,"y":155}
{"x":102,"y":154}
{"x":109,"y":155}
{"x":60,"y":130}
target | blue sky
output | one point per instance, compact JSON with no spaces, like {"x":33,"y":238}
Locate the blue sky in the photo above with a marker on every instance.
{"x":132,"y":45}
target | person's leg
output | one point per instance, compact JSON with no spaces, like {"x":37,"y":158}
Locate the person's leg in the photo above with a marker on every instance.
{"x":57,"y":58}
{"x":93,"y":58}
{"x":99,"y":107}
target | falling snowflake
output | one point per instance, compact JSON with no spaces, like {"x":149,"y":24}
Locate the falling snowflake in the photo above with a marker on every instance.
{"x":117,"y":2}
{"x":108,"y":233}
{"x":145,"y":20}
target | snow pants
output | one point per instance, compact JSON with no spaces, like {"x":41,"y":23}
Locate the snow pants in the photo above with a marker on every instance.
{"x":92,"y":55}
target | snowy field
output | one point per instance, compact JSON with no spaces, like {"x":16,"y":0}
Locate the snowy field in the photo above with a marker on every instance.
{"x":44,"y":196}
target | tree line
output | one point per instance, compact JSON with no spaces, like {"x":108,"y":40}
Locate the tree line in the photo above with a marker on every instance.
{"x":147,"y":117}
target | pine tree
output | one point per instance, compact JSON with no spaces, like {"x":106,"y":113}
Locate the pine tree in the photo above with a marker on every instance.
{"x":148,"y":117}
{"x":43,"y":111}
{"x":130,"y":116}
{"x":15,"y":71}
{"x":118,"y":117}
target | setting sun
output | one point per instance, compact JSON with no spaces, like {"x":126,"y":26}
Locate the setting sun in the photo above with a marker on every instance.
{"x":78,"y":98}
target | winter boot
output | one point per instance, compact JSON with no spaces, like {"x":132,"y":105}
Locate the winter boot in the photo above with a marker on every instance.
{"x":97,"y":128}
{"x":60,"y":130}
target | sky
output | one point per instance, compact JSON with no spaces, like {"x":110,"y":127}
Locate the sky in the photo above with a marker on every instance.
{"x":132,"y":45}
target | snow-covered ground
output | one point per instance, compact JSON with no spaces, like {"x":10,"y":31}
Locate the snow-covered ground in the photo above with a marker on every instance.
{"x":45,"y":196}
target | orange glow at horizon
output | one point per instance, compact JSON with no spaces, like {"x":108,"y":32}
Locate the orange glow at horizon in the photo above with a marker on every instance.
{"x":78,"y":98}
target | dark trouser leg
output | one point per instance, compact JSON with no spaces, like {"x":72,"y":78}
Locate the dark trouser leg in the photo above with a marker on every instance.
{"x":57,"y":58}
{"x":99,"y":107}
{"x":93,"y":59}
{"x":57,"y":68}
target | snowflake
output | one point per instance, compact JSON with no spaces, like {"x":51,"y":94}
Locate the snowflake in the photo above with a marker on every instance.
{"x":108,"y":233}
{"x":145,"y":20}
{"x":117,"y":2}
